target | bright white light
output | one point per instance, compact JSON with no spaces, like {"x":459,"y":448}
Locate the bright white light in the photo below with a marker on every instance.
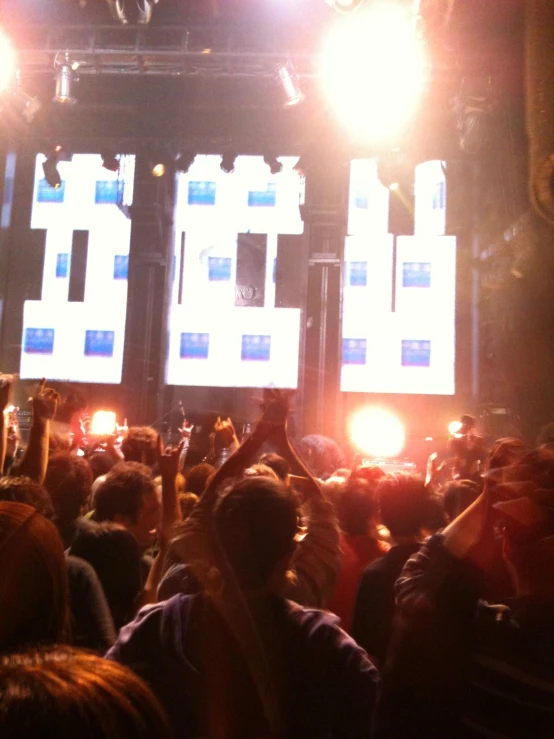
{"x":454,"y":427}
{"x":373,"y":69}
{"x":377,"y":433}
{"x":103,"y":423}
{"x":8,"y":62}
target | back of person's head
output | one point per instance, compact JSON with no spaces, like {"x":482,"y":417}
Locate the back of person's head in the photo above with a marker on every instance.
{"x":68,"y":481}
{"x":197,"y":478}
{"x":436,"y":517}
{"x":65,"y":693}
{"x":321,"y":454}
{"x":372,"y":473}
{"x":100,"y":464}
{"x":526,"y":519}
{"x":459,"y":495}
{"x":140,"y":445}
{"x":402,"y":502}
{"x":33,"y":579}
{"x":122,"y":492}
{"x":278,"y":464}
{"x":27,"y":491}
{"x":187,"y":503}
{"x":256,"y":520}
{"x":115,"y":555}
{"x":356,"y":505}
{"x":260,"y":470}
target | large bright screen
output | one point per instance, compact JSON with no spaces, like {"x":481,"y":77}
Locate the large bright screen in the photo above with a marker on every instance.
{"x":75,"y":332}
{"x":235,"y":240}
{"x":398,"y":332}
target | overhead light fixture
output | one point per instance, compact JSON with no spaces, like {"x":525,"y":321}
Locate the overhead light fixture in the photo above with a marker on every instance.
{"x":65,"y":77}
{"x":50,"y":169}
{"x":228,"y":162}
{"x":184,"y":161}
{"x":290,"y":84}
{"x":110,"y":161}
{"x":275,"y":166}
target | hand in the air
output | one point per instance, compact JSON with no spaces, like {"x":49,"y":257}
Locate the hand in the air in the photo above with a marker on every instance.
{"x":45,"y":402}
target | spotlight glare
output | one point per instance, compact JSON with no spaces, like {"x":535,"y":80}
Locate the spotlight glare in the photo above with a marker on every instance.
{"x":373,"y":69}
{"x":377,"y":433}
{"x":290,"y":84}
{"x":454,"y":427}
{"x":158,"y":170}
{"x":394,"y":186}
{"x":103,"y":423}
{"x":8,"y":62}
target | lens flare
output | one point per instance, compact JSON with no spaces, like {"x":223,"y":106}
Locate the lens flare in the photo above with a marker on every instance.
{"x":8,"y":62}
{"x":373,"y":70}
{"x":103,"y":423}
{"x":454,"y":427}
{"x":377,"y":433}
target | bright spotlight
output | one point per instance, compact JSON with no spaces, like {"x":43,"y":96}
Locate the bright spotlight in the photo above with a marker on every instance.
{"x":103,"y":423}
{"x":394,"y":186}
{"x":377,"y":433}
{"x":454,"y":427}
{"x":8,"y":63}
{"x":290,"y":84}
{"x":373,"y":70}
{"x":158,"y":170}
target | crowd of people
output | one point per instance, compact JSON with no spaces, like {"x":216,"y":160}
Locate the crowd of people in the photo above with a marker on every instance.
{"x":267,"y":589}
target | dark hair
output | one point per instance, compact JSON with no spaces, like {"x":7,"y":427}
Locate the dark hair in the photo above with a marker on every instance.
{"x":372,"y":473}
{"x":256,"y":521}
{"x":355,"y":504}
{"x":64,"y":693}
{"x":115,"y":555}
{"x":68,"y":480}
{"x":100,"y":464}
{"x":24,"y":490}
{"x":140,"y":445}
{"x":33,"y":579}
{"x":435,"y":514}
{"x":198,"y":477}
{"x":187,"y":503}
{"x":278,"y":464}
{"x":122,"y":491}
{"x":403,"y":503}
{"x":459,"y":495}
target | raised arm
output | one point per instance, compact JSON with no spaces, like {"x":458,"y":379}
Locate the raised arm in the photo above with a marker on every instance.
{"x":35,"y":458}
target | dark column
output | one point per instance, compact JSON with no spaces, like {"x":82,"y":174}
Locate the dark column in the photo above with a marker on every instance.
{"x":150,"y":260}
{"x":324,"y":214}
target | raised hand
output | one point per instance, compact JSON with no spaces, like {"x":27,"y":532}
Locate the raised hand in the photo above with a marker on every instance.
{"x":168,"y":460}
{"x":45,"y":402}
{"x":6,"y":382}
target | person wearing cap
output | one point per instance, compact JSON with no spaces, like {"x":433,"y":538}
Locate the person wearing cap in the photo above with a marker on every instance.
{"x":460,"y":666}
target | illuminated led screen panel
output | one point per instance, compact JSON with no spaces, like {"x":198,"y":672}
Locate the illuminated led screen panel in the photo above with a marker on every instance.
{"x":398,"y":332}
{"x":228,"y":326}
{"x":76,"y":331}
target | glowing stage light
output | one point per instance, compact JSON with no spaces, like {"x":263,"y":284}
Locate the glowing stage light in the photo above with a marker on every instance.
{"x":8,"y":63}
{"x":454,"y":427}
{"x":373,"y":69}
{"x":103,"y":423}
{"x":158,"y":170}
{"x":65,"y":77}
{"x":394,"y":186}
{"x":377,"y":433}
